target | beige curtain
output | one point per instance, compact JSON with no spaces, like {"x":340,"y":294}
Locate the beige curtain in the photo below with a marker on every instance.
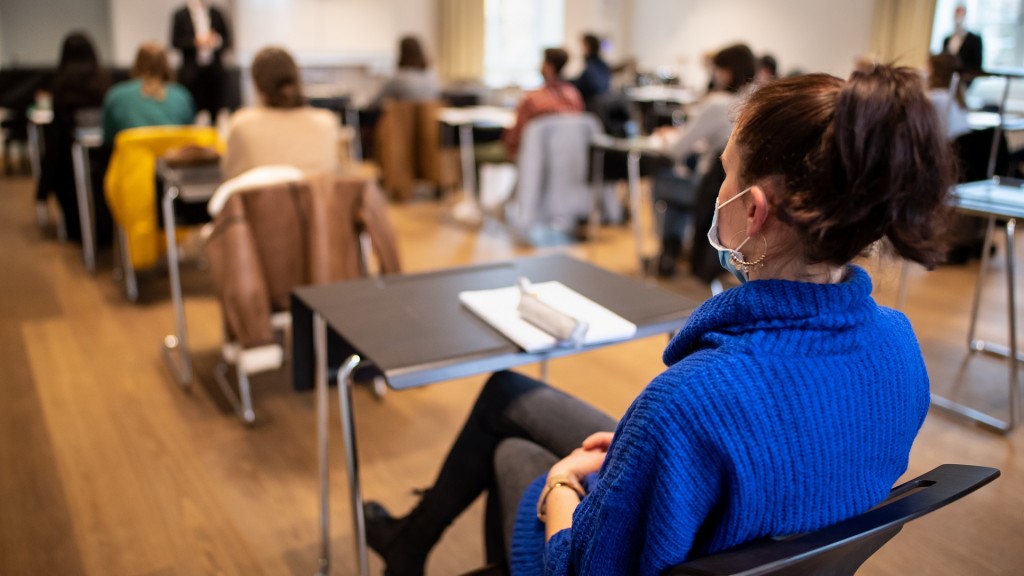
{"x":461,"y":42}
{"x":902,"y":31}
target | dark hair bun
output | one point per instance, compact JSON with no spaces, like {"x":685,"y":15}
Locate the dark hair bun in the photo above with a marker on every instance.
{"x":857,"y":161}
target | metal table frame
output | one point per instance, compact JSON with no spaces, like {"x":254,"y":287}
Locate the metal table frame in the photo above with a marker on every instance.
{"x":86,"y":139}
{"x":175,"y":347}
{"x":635,"y":148}
{"x":465,"y":120}
{"x":401,"y":378}
{"x":991,"y":210}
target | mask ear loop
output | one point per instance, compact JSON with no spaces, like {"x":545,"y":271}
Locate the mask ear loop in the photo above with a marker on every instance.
{"x":755,"y":264}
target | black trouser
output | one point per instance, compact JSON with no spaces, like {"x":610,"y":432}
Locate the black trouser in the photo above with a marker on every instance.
{"x":518,"y":428}
{"x":208,"y":90}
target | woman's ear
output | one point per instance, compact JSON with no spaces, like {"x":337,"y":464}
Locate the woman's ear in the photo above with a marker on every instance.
{"x":757,"y":210}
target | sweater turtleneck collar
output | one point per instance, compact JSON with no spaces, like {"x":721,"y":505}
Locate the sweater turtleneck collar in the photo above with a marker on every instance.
{"x":774,"y":312}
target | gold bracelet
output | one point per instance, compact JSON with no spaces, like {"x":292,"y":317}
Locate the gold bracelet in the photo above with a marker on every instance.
{"x":554,"y":482}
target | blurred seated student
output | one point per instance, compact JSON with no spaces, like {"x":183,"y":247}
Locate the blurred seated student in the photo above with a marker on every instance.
{"x":283,"y":129}
{"x":150,"y":98}
{"x":556,"y":96}
{"x":703,"y":135}
{"x":767,"y":69}
{"x":772,"y":391}
{"x":948,"y":101}
{"x":596,"y":78}
{"x":413,"y":80}
{"x":80,"y":84}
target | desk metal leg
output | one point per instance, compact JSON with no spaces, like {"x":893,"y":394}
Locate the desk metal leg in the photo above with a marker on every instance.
{"x":35,"y":151}
{"x":83,"y":185}
{"x":178,"y":342}
{"x":322,"y":435}
{"x":348,"y":434}
{"x":468,"y":162}
{"x":597,"y":160}
{"x":635,"y":205}
{"x":467,"y":211}
{"x":979,"y":283}
{"x":976,"y":345}
{"x":131,"y":282}
{"x":356,"y":148}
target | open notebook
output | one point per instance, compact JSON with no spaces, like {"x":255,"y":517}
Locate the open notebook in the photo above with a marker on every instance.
{"x":499,"y":308}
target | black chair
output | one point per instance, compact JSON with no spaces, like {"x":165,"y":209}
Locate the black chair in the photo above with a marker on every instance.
{"x":839,"y":549}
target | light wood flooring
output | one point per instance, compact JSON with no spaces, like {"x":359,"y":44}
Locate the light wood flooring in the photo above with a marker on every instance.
{"x":107,"y":467}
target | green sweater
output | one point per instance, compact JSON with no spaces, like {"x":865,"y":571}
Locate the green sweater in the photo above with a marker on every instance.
{"x":126,"y":107}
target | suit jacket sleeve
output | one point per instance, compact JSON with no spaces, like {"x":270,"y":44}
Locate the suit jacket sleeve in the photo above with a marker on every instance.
{"x":183,"y":36}
{"x":971,"y":52}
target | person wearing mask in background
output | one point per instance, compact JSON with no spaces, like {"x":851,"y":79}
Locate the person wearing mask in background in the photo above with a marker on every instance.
{"x":413,"y":80}
{"x":596,"y":78}
{"x":767,"y":69}
{"x":150,"y":98}
{"x":556,"y":96}
{"x":200,"y":32}
{"x":772,"y":390}
{"x":703,"y":135}
{"x":80,"y":83}
{"x":283,"y":130}
{"x":965,"y":45}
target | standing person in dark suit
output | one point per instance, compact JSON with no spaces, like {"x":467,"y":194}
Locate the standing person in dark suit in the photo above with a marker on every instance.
{"x":964,"y":44}
{"x":201,"y":33}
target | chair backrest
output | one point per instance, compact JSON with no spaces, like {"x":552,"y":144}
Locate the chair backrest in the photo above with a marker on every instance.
{"x":840,"y":549}
{"x":409,"y":145}
{"x":703,"y":257}
{"x":554,"y":166}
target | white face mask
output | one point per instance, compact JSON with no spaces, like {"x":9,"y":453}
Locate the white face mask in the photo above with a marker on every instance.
{"x":727,"y":257}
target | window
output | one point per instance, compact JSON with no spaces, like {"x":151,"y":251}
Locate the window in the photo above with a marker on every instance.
{"x":515,"y":35}
{"x":1000,"y":23}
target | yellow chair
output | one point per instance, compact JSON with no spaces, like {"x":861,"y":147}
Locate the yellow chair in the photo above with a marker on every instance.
{"x":130,"y":188}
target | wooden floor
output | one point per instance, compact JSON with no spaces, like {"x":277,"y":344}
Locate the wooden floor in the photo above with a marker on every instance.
{"x":107,"y":467}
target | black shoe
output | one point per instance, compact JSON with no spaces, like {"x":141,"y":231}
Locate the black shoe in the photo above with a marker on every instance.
{"x":382,"y":536}
{"x":381,"y":527}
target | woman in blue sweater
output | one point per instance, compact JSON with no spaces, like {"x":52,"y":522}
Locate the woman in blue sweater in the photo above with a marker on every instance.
{"x":788,"y":403}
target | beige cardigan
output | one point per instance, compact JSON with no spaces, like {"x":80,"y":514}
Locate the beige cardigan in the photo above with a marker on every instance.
{"x":304,"y":137}
{"x":269,"y":240}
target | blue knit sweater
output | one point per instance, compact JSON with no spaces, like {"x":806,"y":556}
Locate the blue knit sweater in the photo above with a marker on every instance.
{"x":786,"y":407}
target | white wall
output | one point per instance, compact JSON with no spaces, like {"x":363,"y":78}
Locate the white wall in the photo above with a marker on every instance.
{"x":315,"y":31}
{"x":813,"y":35}
{"x":137,"y":21}
{"x":318,"y":31}
{"x":609,"y":19}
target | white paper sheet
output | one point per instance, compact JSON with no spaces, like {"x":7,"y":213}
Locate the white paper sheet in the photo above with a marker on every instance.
{"x":498,"y":308}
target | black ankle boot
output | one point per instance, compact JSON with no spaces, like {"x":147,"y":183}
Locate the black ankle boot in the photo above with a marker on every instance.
{"x":402,"y":543}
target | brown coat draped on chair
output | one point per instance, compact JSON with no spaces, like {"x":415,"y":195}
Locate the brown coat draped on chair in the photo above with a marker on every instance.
{"x":409,"y":148}
{"x":269,"y":240}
